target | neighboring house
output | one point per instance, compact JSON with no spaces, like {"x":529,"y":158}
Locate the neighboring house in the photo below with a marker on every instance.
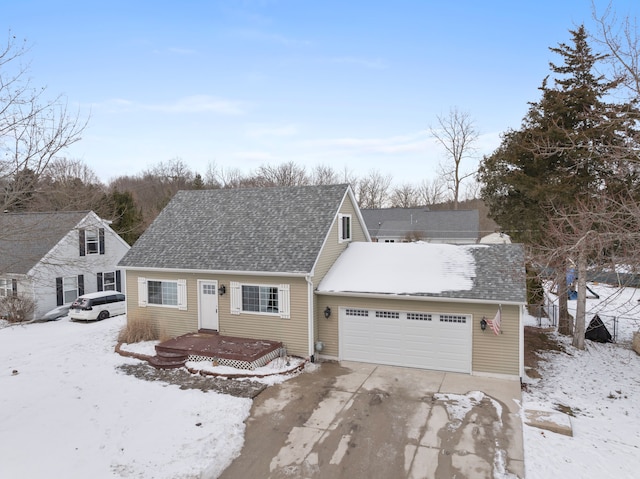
{"x":421,"y":305}
{"x":263,"y":263}
{"x":400,"y":225}
{"x":55,"y":257}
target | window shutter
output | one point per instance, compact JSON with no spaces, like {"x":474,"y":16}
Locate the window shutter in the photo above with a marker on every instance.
{"x":100,"y":283}
{"x":118,"y":281}
{"x":182,"y":294}
{"x":284,"y":301}
{"x":101,"y":239}
{"x":142,"y":292}
{"x":59,"y":292}
{"x":340,"y":227}
{"x":81,"y":242}
{"x":236,"y":297}
{"x":80,"y":284}
{"x":14,"y":287}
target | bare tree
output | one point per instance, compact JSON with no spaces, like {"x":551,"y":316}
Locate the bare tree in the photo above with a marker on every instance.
{"x":456,"y":132}
{"x":324,"y":175}
{"x":34,"y":129}
{"x":405,"y":196}
{"x":284,"y":174}
{"x":373,"y":190}
{"x":431,"y":192}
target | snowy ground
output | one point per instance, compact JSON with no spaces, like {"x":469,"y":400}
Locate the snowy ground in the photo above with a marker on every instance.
{"x":66,"y":411}
{"x":601,"y":388}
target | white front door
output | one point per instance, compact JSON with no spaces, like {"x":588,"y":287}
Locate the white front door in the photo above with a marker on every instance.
{"x":207,"y":304}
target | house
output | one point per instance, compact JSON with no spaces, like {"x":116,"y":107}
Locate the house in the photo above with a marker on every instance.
{"x":394,"y":225}
{"x":54,"y":257}
{"x":423,"y":305}
{"x":244,"y":262}
{"x":275,"y":264}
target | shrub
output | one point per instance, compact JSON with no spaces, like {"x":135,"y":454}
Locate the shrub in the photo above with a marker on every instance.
{"x":137,"y":329}
{"x":17,"y":309}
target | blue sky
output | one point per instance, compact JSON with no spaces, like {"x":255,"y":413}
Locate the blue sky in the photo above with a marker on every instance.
{"x":348,"y":84}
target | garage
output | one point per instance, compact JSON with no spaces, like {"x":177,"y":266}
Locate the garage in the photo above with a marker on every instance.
{"x":455,"y":308}
{"x":406,"y":338}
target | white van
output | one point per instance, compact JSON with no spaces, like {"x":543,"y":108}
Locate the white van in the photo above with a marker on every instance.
{"x":100,"y":305}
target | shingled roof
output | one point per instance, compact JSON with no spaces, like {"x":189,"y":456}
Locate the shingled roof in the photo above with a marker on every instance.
{"x":272,"y":230}
{"x":26,"y":237}
{"x":487,"y":273}
{"x":432,"y":225}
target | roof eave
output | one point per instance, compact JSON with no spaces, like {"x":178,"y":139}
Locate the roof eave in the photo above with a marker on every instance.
{"x":445,"y":299}
{"x":297,"y":274}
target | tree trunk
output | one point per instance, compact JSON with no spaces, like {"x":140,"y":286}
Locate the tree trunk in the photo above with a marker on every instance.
{"x":578,"y":333}
{"x":565,"y":320}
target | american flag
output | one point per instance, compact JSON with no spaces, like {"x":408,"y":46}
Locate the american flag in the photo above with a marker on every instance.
{"x":495,"y":322}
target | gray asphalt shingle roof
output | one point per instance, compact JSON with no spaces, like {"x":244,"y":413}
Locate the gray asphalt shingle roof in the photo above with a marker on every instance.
{"x":439,"y":224}
{"x":26,"y":237}
{"x":273,"y":230}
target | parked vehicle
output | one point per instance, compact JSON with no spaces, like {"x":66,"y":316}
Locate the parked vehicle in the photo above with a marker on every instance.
{"x":56,"y":313}
{"x":97,"y":306}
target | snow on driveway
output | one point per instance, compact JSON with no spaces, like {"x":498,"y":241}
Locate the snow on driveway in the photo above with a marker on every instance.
{"x":66,"y":411}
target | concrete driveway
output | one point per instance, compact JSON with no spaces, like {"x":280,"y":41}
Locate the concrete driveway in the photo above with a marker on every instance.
{"x":356,"y":420}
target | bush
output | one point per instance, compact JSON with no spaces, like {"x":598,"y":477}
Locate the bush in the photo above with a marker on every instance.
{"x":17,"y":309}
{"x":136,"y":330}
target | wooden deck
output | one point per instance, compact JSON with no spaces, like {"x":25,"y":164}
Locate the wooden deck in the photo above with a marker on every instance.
{"x":243,"y":353}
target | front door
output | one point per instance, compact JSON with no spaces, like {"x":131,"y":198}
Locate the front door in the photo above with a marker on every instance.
{"x":207,"y":304}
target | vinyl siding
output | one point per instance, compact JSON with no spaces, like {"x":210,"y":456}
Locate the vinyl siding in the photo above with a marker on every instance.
{"x":491,"y":354}
{"x":171,"y":322}
{"x":329,"y":254}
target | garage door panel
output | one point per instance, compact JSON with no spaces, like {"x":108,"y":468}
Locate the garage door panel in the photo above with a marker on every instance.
{"x":398,"y":338}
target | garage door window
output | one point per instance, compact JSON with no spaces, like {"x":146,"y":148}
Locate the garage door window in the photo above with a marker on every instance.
{"x":419,"y":316}
{"x":388,"y":314}
{"x":357,"y":312}
{"x":452,"y":318}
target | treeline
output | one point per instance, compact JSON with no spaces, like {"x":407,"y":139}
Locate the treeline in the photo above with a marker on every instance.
{"x":132,"y":202}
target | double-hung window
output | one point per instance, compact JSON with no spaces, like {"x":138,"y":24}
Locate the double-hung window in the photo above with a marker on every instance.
{"x":70,"y":289}
{"x":344,"y":228}
{"x":92,"y":242}
{"x":5,"y":287}
{"x":155,"y":292}
{"x":260,"y":298}
{"x":109,"y":281}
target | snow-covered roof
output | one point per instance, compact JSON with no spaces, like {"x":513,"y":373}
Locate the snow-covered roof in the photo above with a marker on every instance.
{"x":481,"y":273}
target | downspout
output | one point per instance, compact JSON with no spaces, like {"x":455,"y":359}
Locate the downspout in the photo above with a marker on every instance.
{"x":310,"y":326}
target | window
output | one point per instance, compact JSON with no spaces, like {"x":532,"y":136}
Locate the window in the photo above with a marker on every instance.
{"x":70,"y":289}
{"x":109,"y":281}
{"x":344,"y":228}
{"x":163,"y":292}
{"x":260,"y":298}
{"x":388,"y":314}
{"x":5,"y":287}
{"x":357,"y":312}
{"x":419,"y":316}
{"x":91,"y":239}
{"x":452,"y":318}
{"x":170,"y":293}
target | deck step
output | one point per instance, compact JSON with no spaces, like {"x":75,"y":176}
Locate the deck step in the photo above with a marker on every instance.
{"x":170,"y":353}
{"x":167,"y":363}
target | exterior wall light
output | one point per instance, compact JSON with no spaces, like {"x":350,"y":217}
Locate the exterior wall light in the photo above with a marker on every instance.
{"x":222,"y":289}
{"x":483,"y":324}
{"x":327,"y":312}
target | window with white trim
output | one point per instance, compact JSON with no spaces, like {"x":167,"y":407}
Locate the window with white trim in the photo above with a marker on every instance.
{"x":260,"y":299}
{"x":92,"y":243}
{"x":109,"y":281}
{"x":169,"y":293}
{"x":5,"y":287}
{"x":70,"y":289}
{"x":344,"y":228}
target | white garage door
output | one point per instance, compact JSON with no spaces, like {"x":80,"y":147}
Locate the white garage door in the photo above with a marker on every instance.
{"x":402,"y":338}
